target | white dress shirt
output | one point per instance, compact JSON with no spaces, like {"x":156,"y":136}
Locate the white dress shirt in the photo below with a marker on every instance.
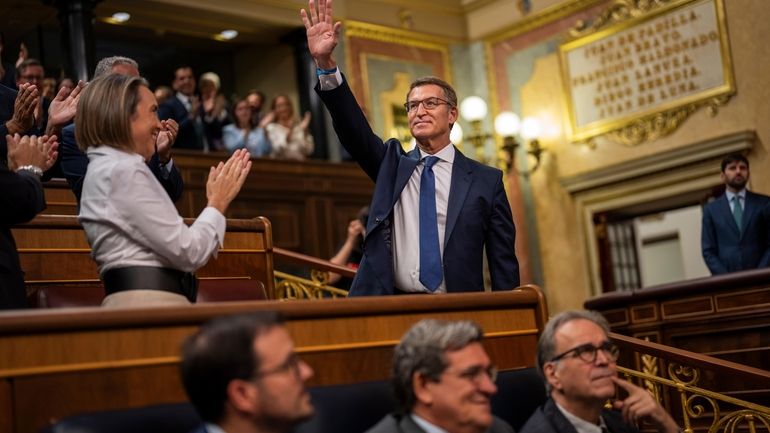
{"x":581,"y":425}
{"x":406,"y":213}
{"x":406,"y":222}
{"x":130,"y":220}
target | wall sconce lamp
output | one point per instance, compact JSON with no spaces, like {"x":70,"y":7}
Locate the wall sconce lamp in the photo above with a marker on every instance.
{"x":507,"y":125}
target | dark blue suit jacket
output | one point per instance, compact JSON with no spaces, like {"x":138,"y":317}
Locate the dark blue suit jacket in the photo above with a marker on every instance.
{"x":21,"y":198}
{"x":725,"y":248}
{"x":188,"y":137}
{"x":478,"y":213}
{"x":74,"y":164}
{"x":549,"y":419}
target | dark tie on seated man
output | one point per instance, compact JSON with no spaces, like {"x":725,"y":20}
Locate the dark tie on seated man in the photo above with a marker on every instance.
{"x":242,"y":375}
{"x":74,"y":162}
{"x":145,"y":252}
{"x":443,"y":380}
{"x":434,"y":211}
{"x":21,"y":198}
{"x":577,"y":361}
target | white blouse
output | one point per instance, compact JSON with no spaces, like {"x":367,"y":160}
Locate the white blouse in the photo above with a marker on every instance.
{"x":287,"y":143}
{"x":130,"y":220}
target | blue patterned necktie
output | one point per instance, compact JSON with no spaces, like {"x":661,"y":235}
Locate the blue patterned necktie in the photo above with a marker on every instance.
{"x":431,"y":273}
{"x":738,"y":212}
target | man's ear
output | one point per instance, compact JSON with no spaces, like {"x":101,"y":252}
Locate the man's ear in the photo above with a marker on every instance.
{"x":243,"y":395}
{"x":722,"y":176}
{"x":423,"y":389}
{"x":551,"y":375}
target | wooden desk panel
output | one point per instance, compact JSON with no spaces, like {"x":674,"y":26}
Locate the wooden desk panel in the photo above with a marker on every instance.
{"x":54,"y":249}
{"x":57,"y":363}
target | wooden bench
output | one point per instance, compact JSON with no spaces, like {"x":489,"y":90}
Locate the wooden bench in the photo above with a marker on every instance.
{"x":56,"y":258}
{"x":55,"y":363}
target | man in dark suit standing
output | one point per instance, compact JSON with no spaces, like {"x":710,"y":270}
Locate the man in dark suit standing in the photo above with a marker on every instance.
{"x":443,"y":380}
{"x":434,"y":211}
{"x":21,"y":198}
{"x":735,"y":234}
{"x":577,"y":361}
{"x":242,"y":375}
{"x":183,"y":107}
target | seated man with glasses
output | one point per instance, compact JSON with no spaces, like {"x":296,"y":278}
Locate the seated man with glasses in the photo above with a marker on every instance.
{"x":577,"y":361}
{"x":443,"y":380}
{"x":242,"y":375}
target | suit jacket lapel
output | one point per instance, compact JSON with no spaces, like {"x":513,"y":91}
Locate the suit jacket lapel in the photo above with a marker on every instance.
{"x":556,"y":418}
{"x":727,"y":214}
{"x":458,"y":189}
{"x":406,"y":166}
{"x":407,"y":425}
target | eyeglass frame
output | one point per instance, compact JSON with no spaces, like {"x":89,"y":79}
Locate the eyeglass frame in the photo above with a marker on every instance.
{"x":475,"y":373}
{"x":608,"y":347}
{"x":416,"y":104}
{"x":292,"y":363}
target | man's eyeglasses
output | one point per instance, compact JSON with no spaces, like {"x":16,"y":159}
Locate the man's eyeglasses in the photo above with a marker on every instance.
{"x":32,"y":77}
{"x":477,"y":373}
{"x":291,"y":364}
{"x":429,"y":104}
{"x":587,"y":352}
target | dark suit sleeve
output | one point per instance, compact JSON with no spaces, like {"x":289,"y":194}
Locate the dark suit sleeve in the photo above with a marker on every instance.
{"x":764,"y":262}
{"x":171,"y":181}
{"x":353,"y":129}
{"x":709,"y":243}
{"x":22,"y":196}
{"x":500,"y":240}
{"x":73,"y":162}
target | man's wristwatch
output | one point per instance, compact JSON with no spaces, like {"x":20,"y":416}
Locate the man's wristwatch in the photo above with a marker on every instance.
{"x":32,"y":169}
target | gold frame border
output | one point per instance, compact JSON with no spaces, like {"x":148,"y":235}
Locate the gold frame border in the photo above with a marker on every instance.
{"x":376,"y":32}
{"x":638,"y":128}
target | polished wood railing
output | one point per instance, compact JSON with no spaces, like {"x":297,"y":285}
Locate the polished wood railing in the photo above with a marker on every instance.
{"x":726,"y":316}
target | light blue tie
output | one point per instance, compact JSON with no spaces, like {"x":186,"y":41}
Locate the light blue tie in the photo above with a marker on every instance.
{"x":738,"y":213}
{"x":431,"y":273}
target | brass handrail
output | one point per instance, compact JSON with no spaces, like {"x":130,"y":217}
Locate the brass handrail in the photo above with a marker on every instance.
{"x":680,"y":390}
{"x":291,"y":287}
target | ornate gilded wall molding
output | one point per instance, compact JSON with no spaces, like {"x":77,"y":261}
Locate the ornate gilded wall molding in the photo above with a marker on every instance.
{"x":619,"y":11}
{"x":638,"y":70}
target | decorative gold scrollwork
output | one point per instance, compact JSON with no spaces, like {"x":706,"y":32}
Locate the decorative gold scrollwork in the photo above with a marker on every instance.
{"x":664,"y":123}
{"x":650,"y":367}
{"x":290,"y":287}
{"x":680,"y":374}
{"x":702,"y":404}
{"x":619,"y":11}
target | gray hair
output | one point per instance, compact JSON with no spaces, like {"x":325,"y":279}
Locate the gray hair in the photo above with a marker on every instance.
{"x":546,"y":346}
{"x":105,"y":65}
{"x":423,"y":350}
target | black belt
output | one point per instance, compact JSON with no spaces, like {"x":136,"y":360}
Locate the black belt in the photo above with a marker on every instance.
{"x":152,"y":278}
{"x":397,"y":291}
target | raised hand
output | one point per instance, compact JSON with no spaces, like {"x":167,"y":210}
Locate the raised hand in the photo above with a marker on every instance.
{"x":63,"y":107}
{"x":169,"y":130}
{"x":322,"y":34}
{"x":226,"y":179}
{"x":305,"y":121}
{"x":640,"y":405}
{"x":23,"y":118}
